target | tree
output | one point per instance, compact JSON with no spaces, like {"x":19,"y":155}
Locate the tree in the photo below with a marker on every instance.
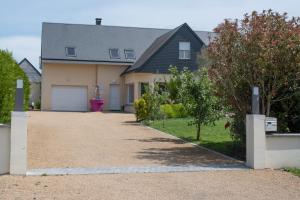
{"x":197,"y":95}
{"x":260,"y":50}
{"x":10,"y":71}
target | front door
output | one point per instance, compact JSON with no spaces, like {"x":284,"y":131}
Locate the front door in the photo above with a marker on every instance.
{"x":114,"y":97}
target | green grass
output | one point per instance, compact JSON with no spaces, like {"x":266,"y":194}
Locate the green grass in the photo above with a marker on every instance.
{"x":295,"y":171}
{"x":213,"y":137}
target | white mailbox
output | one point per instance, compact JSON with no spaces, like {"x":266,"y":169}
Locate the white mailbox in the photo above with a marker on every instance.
{"x":271,"y":124}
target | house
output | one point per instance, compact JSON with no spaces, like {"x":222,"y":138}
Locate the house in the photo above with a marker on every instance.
{"x":34,"y":77}
{"x":75,"y":58}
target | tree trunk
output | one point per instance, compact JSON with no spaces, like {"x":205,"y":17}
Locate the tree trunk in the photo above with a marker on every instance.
{"x":198,"y":131}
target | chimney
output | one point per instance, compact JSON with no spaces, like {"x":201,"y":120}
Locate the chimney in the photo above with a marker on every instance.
{"x":98,"y":21}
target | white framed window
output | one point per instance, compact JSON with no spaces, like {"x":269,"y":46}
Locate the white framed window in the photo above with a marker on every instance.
{"x":114,"y":53}
{"x":184,"y":50}
{"x":130,"y":93}
{"x":129,"y":53}
{"x":70,"y":51}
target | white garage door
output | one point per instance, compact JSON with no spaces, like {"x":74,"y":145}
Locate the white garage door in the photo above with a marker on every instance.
{"x":114,"y":97}
{"x":69,"y":98}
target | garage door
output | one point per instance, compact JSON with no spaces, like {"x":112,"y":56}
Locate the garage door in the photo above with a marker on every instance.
{"x":69,"y":98}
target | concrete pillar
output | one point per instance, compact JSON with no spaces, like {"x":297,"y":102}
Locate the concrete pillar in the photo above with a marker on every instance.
{"x":255,"y":141}
{"x":4,"y":148}
{"x":18,"y":150}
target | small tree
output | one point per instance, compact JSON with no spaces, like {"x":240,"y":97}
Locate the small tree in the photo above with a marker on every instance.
{"x":197,"y":95}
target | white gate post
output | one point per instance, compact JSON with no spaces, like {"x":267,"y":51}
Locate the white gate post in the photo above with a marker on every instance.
{"x":255,"y":141}
{"x":18,"y":152}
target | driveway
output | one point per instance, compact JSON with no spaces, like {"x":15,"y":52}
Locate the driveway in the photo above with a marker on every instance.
{"x":112,"y":139}
{"x":67,"y":139}
{"x":212,"y":185}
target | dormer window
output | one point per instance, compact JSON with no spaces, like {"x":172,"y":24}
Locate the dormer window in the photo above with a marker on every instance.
{"x":114,"y":53}
{"x":184,"y":50}
{"x":129,"y":54}
{"x":70,"y":51}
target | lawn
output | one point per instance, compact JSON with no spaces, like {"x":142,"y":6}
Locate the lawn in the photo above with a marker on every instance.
{"x":295,"y":171}
{"x":213,"y":137}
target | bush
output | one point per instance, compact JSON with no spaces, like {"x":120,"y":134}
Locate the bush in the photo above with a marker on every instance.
{"x":10,"y":71}
{"x":38,"y":105}
{"x":141,"y":109}
{"x":173,"y":110}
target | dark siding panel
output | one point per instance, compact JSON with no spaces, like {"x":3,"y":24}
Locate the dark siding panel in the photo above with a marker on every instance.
{"x":169,"y":54}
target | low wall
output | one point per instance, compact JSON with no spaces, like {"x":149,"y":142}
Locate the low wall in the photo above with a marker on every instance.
{"x":282,"y":150}
{"x":4,"y":148}
{"x":270,"y":150}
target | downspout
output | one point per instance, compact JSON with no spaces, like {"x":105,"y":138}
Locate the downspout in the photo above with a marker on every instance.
{"x":96,"y":75}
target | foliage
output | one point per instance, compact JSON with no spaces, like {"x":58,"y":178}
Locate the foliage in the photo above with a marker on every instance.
{"x":141,"y":109}
{"x":149,"y":107}
{"x":288,"y":111}
{"x":197,"y":96}
{"x":38,"y":105}
{"x":295,"y":171}
{"x":173,"y":85}
{"x":213,"y":137}
{"x":174,"y":110}
{"x":260,"y":50}
{"x":10,"y":71}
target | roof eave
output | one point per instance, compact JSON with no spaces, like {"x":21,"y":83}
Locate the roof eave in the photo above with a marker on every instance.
{"x":73,"y":61}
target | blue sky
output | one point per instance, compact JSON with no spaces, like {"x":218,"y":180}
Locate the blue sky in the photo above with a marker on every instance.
{"x":20,"y":21}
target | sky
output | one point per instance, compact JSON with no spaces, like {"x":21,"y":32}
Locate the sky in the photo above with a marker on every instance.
{"x":21,"y":21}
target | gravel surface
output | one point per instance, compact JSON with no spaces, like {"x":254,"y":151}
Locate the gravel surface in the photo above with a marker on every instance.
{"x":212,"y":185}
{"x":70,"y":139}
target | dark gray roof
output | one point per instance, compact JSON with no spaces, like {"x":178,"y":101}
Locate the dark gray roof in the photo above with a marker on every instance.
{"x":92,"y":42}
{"x":155,"y":46}
{"x":32,"y":73}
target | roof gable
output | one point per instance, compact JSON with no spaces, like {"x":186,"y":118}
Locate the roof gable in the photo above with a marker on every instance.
{"x":159,"y":43}
{"x":32,"y":73}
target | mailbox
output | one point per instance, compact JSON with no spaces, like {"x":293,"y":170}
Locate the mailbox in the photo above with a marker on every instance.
{"x":271,"y":124}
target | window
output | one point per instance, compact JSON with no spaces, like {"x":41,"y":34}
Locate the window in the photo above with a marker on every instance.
{"x":130,"y":94}
{"x":143,"y":88}
{"x":129,"y":54}
{"x":184,"y":50}
{"x":70,"y":51}
{"x":114,"y":53}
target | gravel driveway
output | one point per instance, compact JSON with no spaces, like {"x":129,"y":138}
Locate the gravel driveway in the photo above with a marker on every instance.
{"x":112,"y":139}
{"x":212,"y":185}
{"x":66,"y":139}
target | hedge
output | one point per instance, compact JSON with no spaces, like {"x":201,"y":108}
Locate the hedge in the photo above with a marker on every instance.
{"x":10,"y":71}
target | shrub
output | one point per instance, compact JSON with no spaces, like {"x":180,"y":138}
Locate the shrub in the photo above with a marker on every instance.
{"x":179,"y":110}
{"x":38,"y":105}
{"x":174,"y":110}
{"x":141,"y":109}
{"x":168,"y":110}
{"x":10,"y":71}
